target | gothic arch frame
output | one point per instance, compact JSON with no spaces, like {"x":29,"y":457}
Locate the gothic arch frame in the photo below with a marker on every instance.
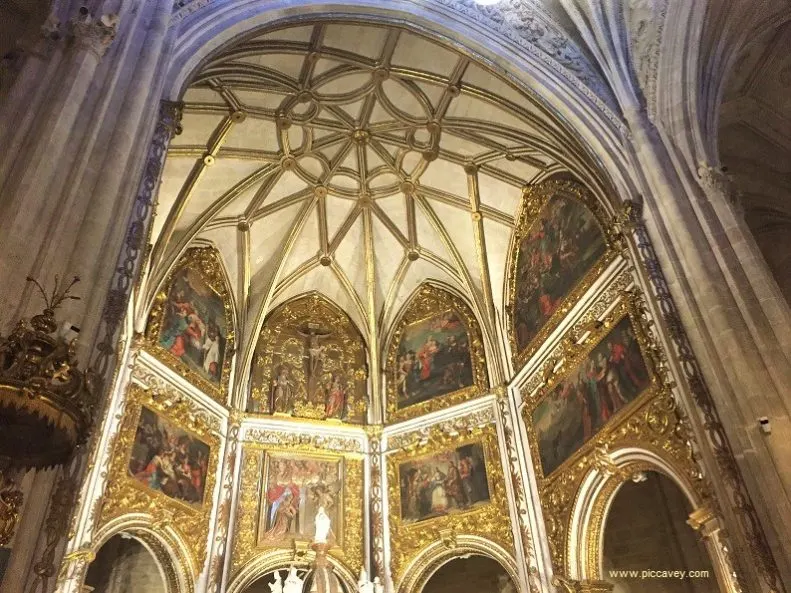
{"x":439,"y":553}
{"x":265,"y":562}
{"x":584,"y":545}
{"x":478,"y":355}
{"x":247,"y":369}
{"x":164,"y":543}
{"x":151,"y":308}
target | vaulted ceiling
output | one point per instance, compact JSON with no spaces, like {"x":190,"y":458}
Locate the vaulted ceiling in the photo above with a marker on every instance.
{"x":755,"y":139}
{"x":351,"y":159}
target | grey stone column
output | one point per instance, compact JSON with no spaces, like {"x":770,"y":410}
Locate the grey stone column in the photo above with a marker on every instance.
{"x":741,"y":359}
{"x":30,"y":182}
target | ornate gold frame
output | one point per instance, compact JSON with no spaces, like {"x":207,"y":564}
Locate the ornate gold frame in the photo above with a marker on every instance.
{"x":125,"y":495}
{"x":310,"y":300}
{"x":427,"y":301}
{"x":208,"y":263}
{"x":575,"y":353}
{"x":534,"y":198}
{"x":491,"y":522}
{"x":651,"y":423}
{"x":249,"y":505}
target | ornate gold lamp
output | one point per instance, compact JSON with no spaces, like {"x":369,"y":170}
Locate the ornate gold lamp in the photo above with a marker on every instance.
{"x":46,"y":402}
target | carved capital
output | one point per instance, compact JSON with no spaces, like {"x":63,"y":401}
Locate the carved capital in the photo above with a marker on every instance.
{"x":704,"y":520}
{"x":719,"y":185}
{"x":94,"y":35}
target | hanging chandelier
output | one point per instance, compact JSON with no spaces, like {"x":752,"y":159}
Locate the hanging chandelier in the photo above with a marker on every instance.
{"x":46,"y":402}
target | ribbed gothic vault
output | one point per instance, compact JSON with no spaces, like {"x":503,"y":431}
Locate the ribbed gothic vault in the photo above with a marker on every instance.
{"x":353,"y":159}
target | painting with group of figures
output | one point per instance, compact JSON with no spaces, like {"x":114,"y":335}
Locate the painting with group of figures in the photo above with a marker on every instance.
{"x":190,"y":326}
{"x":435,"y":357}
{"x":443,"y":483}
{"x":556,"y":249}
{"x":310,"y":362}
{"x":611,"y":376}
{"x":296,"y":487}
{"x":167,"y":459}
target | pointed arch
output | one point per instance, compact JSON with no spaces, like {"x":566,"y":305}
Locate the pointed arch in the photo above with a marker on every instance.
{"x":191,"y":324}
{"x":563,"y":241}
{"x":435,"y":356}
{"x":310,"y":361}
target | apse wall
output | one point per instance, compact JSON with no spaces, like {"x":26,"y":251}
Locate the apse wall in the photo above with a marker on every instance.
{"x":490,"y":400}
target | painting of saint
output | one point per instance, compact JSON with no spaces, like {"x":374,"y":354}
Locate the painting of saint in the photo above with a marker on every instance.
{"x":193,"y":326}
{"x":296,"y":487}
{"x":167,"y":459}
{"x":612,"y":375}
{"x":562,"y":244}
{"x":443,"y":484}
{"x":433,"y":359}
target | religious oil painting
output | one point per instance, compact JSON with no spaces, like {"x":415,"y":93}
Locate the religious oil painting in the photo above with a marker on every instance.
{"x":194,"y":324}
{"x":556,"y":252}
{"x":296,"y":488}
{"x":611,"y":376}
{"x":433,"y":359}
{"x":310,"y":363}
{"x":167,"y":459}
{"x":444,"y":483}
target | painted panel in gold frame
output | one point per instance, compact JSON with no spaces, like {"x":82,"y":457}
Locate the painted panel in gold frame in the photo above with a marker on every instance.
{"x":489,"y":519}
{"x":567,"y":401}
{"x":251,"y":519}
{"x":190,"y":326}
{"x":435,"y":358}
{"x":562,"y":243}
{"x":295,"y":486}
{"x":125,"y":493}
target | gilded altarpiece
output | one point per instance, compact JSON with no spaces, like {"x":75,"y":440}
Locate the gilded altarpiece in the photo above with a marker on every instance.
{"x":310,"y":362}
{"x":435,"y":358}
{"x":190,"y":327}
{"x":164,"y":464}
{"x":587,"y":371}
{"x":562,"y":243}
{"x":285,"y":478}
{"x":444,"y":484}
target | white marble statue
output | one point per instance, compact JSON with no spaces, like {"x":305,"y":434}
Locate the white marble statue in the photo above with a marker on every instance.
{"x":322,"y":526}
{"x":277,"y":586}
{"x":293,"y":583}
{"x":378,"y":586}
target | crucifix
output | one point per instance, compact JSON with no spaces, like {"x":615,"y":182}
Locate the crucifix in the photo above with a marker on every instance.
{"x":315,"y":348}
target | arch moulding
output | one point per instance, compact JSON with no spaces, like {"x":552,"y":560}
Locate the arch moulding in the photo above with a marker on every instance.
{"x":453,"y":547}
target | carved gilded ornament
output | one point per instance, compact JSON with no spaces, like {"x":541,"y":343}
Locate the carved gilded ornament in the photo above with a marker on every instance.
{"x":651,"y":422}
{"x":205,"y":263}
{"x":490,"y":521}
{"x":310,"y":362}
{"x":248,"y":544}
{"x":535,"y":199}
{"x":429,"y":303}
{"x":125,"y":494}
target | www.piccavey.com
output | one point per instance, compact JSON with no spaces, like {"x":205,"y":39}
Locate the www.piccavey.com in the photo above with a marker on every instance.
{"x":659,"y":574}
